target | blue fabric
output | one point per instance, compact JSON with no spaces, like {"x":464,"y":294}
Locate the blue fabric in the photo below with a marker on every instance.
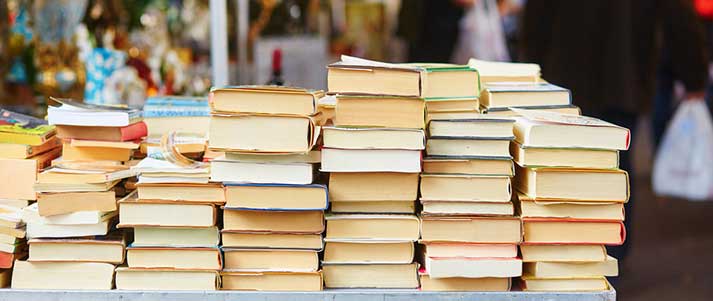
{"x":100,"y":64}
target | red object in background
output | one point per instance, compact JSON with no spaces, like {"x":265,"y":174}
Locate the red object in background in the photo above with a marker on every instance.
{"x":7,"y":259}
{"x":276,"y":78}
{"x":704,"y":8}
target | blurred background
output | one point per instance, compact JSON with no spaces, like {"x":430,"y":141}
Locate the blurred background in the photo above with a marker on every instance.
{"x":629,"y":62}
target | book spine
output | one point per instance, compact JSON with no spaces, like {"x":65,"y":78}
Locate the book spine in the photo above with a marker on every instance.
{"x":134,"y":131}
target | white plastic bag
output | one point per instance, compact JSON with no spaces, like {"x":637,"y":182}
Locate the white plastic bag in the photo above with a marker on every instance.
{"x":683,"y":166}
{"x":481,"y":34}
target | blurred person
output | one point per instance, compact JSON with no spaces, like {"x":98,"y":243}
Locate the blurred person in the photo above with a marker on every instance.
{"x":606,"y":52}
{"x":482,"y":34}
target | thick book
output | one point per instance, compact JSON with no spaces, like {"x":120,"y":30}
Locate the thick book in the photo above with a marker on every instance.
{"x":531,"y":284}
{"x":272,"y":281}
{"x":505,"y":95}
{"x":262,"y":240}
{"x":563,"y":253}
{"x":71,"y":112}
{"x":133,"y":213}
{"x":560,"y":270}
{"x":373,"y":138}
{"x":472,"y":267}
{"x":468,"y":147}
{"x":23,"y":129}
{"x":527,"y":207}
{"x":166,"y":279}
{"x":492,"y":71}
{"x":109,"y":249}
{"x":461,"y":284}
{"x":452,"y":104}
{"x":62,"y":203}
{"x":262,"y":133}
{"x":147,"y":236}
{"x":564,"y":157}
{"x":478,"y":166}
{"x":74,"y":153}
{"x":373,"y":227}
{"x":44,"y":230}
{"x":16,"y":150}
{"x":505,"y":230}
{"x":370,"y":275}
{"x":379,"y":111}
{"x":183,"y":258}
{"x":54,"y":275}
{"x":572,"y":231}
{"x":264,"y":100}
{"x":370,"y":160}
{"x":373,"y":186}
{"x":30,"y":214}
{"x":388,"y":207}
{"x":185,"y":192}
{"x":546,"y":129}
{"x":469,"y":250}
{"x":354,"y":75}
{"x":464,"y":188}
{"x":455,"y":208}
{"x":132,"y":132}
{"x":223,"y":170}
{"x":294,"y":222}
{"x":485,"y":127}
{"x":274,"y":260}
{"x":572,"y":185}
{"x":368,"y":252}
{"x":277,"y":197}
{"x":159,"y":126}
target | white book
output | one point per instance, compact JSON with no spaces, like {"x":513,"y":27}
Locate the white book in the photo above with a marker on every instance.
{"x":261,"y":173}
{"x":37,"y":230}
{"x":448,"y":267}
{"x":30,"y":214}
{"x":370,"y":160}
{"x":91,"y":115}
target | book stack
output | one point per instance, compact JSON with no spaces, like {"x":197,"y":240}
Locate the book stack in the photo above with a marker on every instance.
{"x":27,"y":145}
{"x":274,"y":213}
{"x":468,"y":231}
{"x":77,"y":199}
{"x":570,"y":196}
{"x":188,"y":117}
{"x":519,"y":85}
{"x":373,"y":154}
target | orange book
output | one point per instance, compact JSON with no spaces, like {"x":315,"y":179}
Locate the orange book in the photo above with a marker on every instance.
{"x":7,"y":259}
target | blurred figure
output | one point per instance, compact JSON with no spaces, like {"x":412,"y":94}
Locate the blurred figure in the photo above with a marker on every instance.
{"x":606,"y":52}
{"x":431,"y":28}
{"x":482,"y":35}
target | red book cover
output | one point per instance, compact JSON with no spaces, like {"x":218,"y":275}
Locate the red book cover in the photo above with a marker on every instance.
{"x":134,"y":131}
{"x":7,"y":259}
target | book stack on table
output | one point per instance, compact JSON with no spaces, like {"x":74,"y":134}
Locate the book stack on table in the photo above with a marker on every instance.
{"x":189,"y":117}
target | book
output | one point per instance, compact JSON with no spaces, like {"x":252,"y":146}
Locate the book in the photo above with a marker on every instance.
{"x":368,"y":252}
{"x":132,"y":132}
{"x":264,"y":100}
{"x":19,"y":247}
{"x":24,"y":151}
{"x":109,"y":249}
{"x":506,"y":230}
{"x":295,"y":222}
{"x":7,"y":260}
{"x":188,"y":193}
{"x":484,"y":127}
{"x":453,"y":115}
{"x":24,"y":173}
{"x":379,"y":111}
{"x":545,"y":129}
{"x":56,"y":175}
{"x":271,"y":240}
{"x":9,"y":239}
{"x":565,"y":184}
{"x":31,"y":215}
{"x":133,"y":213}
{"x":454,"y":104}
{"x":312,"y":156}
{"x":262,"y":133}
{"x":61,"y":203}
{"x":11,"y":217}
{"x":72,"y":187}
{"x":563,"y":253}
{"x":274,"y":260}
{"x":564,"y":285}
{"x":491,"y":71}
{"x":564,"y":157}
{"x":373,"y":186}
{"x":279,"y":197}
{"x":465,"y":148}
{"x":354,"y":75}
{"x":446,"y":187}
{"x":505,"y":95}
{"x":370,"y":275}
{"x":54,"y":275}
{"x":469,"y":250}
{"x":223,"y":170}
{"x":565,"y":270}
{"x":272,"y":281}
{"x":38,"y":230}
{"x":396,"y":207}
{"x":460,"y":284}
{"x":506,"y":112}
{"x":18,"y":128}
{"x":571,"y":231}
{"x":176,"y":106}
{"x":174,"y":258}
{"x":467,"y":208}
{"x":160,"y":126}
{"x":373,"y":138}
{"x":472,"y":267}
{"x":370,"y":160}
{"x":528,"y":207}
{"x":166,"y":279}
{"x":15,"y":203}
{"x":176,"y":236}
{"x":476,"y":166}
{"x":373,"y":227}
{"x":71,"y":152}
{"x":72,"y":112}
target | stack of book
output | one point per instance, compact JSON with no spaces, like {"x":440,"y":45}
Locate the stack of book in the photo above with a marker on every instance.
{"x":519,"y":85}
{"x":274,"y":214}
{"x":570,"y":196}
{"x":27,"y":145}
{"x":469,"y":234}
{"x":77,"y":198}
{"x":188,"y":117}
